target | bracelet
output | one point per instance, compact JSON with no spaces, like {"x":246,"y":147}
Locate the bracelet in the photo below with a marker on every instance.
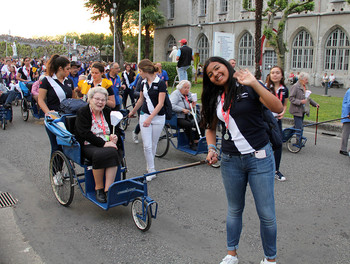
{"x":214,"y":151}
{"x":212,"y":146}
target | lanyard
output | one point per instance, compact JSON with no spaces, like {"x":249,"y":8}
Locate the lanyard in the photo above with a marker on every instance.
{"x":281,"y":93}
{"x":102,"y":121}
{"x":115,"y":80}
{"x":227,"y":114}
{"x":186,"y":97}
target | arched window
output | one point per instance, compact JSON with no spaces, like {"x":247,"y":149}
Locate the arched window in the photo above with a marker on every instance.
{"x":302,"y":51}
{"x":169,"y":47}
{"x":203,"y":48}
{"x":337,"y":51}
{"x":246,"y":50}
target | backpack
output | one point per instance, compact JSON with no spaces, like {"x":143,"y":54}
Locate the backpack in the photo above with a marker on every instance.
{"x":71,"y":105}
{"x":272,"y":129}
{"x":167,"y":107}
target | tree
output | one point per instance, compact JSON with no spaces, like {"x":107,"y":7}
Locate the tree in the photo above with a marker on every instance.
{"x":275,"y":37}
{"x":258,"y":21}
{"x":103,"y":8}
{"x":150,"y":17}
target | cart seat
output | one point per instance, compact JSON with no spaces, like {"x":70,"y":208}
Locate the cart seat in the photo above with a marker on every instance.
{"x":69,"y":122}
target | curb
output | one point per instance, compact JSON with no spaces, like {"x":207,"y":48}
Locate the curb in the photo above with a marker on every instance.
{"x":328,"y":127}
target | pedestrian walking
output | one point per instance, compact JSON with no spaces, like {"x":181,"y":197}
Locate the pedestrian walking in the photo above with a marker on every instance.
{"x":346,"y":124}
{"x":152,"y":115}
{"x":184,"y":58}
{"x":300,"y":100}
{"x":275,"y":84}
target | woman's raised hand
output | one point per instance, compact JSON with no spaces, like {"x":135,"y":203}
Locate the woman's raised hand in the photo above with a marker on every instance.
{"x":245,"y":77}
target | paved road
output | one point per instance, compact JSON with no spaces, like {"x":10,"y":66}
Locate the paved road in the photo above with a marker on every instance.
{"x":312,"y":209}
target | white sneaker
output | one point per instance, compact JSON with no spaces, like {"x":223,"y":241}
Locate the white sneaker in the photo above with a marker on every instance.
{"x":151,"y":177}
{"x":264,"y":261}
{"x":135,"y":137}
{"x":229,"y":259}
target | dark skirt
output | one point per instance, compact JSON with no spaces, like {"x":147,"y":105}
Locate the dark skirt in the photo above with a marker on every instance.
{"x":102,"y":157}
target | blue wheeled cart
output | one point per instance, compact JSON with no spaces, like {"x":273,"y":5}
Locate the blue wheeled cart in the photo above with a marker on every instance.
{"x":294,"y":138}
{"x":175,"y":136}
{"x":123,"y":191}
{"x":6,"y":114}
{"x":29,"y":104}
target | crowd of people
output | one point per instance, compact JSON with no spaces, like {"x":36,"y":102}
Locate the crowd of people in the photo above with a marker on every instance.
{"x":233,"y":99}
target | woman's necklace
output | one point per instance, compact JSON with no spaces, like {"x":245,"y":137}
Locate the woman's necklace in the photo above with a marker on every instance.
{"x":226,"y":116}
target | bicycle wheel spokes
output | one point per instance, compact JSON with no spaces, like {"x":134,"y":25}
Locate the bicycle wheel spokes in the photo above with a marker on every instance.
{"x":163,"y":143}
{"x":61,"y":178}
{"x":294,"y":144}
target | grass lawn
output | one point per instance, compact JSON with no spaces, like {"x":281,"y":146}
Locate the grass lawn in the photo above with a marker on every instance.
{"x":330,"y":107}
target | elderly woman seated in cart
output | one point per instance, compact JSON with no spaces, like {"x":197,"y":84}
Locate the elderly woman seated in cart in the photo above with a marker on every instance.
{"x":93,"y":131}
{"x":182,"y":102}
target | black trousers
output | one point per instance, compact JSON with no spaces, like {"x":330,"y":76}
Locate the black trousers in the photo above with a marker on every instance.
{"x":129,"y":92}
{"x":187,"y":126}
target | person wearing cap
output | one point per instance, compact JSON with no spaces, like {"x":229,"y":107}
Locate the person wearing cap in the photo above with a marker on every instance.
{"x":75,"y":71}
{"x":184,"y":58}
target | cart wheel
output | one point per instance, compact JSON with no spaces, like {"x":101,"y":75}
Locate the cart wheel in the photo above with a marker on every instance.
{"x":124,"y":124}
{"x":61,"y":178}
{"x":293,"y":145}
{"x":24,"y":109}
{"x":136,"y":211}
{"x":163,"y":143}
{"x":11,"y":115}
{"x":123,"y":164}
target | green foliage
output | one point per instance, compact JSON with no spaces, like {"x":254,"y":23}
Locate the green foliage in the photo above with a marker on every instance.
{"x":287,"y":7}
{"x":246,"y":6}
{"x":170,"y":68}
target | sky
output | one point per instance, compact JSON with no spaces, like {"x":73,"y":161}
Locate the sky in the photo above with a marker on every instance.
{"x":48,"y":18}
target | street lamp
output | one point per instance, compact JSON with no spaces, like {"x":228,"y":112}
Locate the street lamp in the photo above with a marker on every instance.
{"x":114,"y":12}
{"x":139,"y":39}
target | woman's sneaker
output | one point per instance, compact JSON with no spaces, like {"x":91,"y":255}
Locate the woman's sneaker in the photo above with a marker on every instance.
{"x":264,"y":261}
{"x":151,"y":177}
{"x":279,"y":176}
{"x":135,"y":137}
{"x":229,"y":259}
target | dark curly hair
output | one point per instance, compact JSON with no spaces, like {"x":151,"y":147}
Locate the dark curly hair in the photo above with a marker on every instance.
{"x":211,"y":92}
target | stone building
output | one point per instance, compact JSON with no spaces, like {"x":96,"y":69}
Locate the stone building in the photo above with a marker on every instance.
{"x":317,"y":41}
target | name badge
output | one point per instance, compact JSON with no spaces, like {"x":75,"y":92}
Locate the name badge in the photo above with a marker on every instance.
{"x":260,"y":154}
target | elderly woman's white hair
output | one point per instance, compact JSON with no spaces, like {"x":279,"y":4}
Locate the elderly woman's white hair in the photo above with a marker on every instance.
{"x":303,"y":76}
{"x":96,"y":90}
{"x":182,"y":83}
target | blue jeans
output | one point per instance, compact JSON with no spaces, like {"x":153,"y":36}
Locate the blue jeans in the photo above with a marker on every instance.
{"x":8,"y":97}
{"x":183,"y":73}
{"x":236,"y":172}
{"x":298,"y":122}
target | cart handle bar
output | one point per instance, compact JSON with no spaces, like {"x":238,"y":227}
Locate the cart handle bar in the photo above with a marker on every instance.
{"x":178,"y":167}
{"x":326,"y":121}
